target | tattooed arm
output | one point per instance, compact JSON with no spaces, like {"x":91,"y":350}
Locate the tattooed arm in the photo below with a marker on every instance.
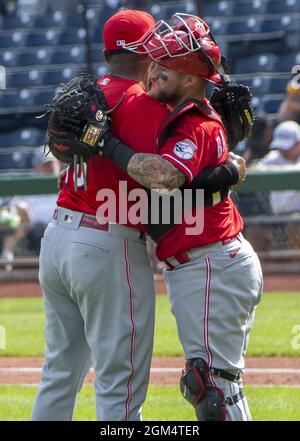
{"x":150,"y":170}
{"x":153,"y":171}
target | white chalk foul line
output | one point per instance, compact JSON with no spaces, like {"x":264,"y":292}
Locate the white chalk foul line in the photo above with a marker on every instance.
{"x":32,"y":370}
{"x":269,"y":386}
{"x":247,"y":371}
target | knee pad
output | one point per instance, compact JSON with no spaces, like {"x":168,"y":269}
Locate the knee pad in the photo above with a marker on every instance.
{"x":197,"y":388}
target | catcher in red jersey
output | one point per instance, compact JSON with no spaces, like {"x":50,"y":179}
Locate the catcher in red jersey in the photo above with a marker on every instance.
{"x":214,"y":277}
{"x":96,"y":279}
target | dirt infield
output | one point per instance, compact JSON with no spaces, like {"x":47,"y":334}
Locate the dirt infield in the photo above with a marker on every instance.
{"x":263,"y":371}
{"x":271,"y":284}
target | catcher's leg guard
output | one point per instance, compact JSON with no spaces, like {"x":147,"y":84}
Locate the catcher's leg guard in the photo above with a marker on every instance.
{"x":197,"y":388}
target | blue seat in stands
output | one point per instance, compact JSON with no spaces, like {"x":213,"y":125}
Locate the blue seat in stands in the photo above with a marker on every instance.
{"x":257,"y":103}
{"x":250,"y":25}
{"x":285,"y":63}
{"x":74,"y":20}
{"x":74,"y":55}
{"x":277,"y":85}
{"x":263,"y":86}
{"x":10,"y":39}
{"x":216,"y":9}
{"x":35,"y":57}
{"x":105,"y":13}
{"x":97,"y":54}
{"x":93,"y":17}
{"x":8,"y":99}
{"x":284,"y":23}
{"x":19,"y":160}
{"x":96,"y":35}
{"x":29,"y":137}
{"x":8,"y":58}
{"x":248,"y":7}
{"x":47,"y":37}
{"x":217,"y":26}
{"x":32,"y":77}
{"x":13,"y":22}
{"x":55,"y":20}
{"x":282,"y":6}
{"x":25,"y":98}
{"x":257,"y":63}
{"x":56,"y":77}
{"x":42,"y":97}
{"x":169,"y":9}
{"x":72,"y":36}
{"x":272,"y":105}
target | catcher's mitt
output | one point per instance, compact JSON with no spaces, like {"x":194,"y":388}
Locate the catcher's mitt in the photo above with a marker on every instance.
{"x":77,"y":120}
{"x":232,"y":102}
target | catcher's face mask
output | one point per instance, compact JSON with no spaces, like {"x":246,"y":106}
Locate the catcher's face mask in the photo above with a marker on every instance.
{"x":185,"y":46}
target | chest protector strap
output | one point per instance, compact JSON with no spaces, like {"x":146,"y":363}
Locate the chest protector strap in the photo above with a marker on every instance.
{"x":190,"y":105}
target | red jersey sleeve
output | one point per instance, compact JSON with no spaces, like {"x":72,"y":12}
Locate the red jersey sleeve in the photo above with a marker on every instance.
{"x":185,"y":149}
{"x":194,"y":145}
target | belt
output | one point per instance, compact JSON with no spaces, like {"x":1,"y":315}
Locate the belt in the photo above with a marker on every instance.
{"x":184,"y":256}
{"x":87,"y":221}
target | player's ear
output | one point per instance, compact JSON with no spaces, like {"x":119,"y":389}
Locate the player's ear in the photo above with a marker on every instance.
{"x":190,"y":81}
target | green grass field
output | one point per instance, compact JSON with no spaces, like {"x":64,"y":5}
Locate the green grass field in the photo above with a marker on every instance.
{"x":162,"y":404}
{"x":271,"y":335}
{"x":23,"y":320}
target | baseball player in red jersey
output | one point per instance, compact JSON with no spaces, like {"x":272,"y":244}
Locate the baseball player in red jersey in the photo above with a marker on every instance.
{"x":214,"y":277}
{"x":96,"y":279}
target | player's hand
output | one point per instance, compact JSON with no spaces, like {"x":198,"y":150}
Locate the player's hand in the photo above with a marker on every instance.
{"x":240,"y":163}
{"x":61,"y":178}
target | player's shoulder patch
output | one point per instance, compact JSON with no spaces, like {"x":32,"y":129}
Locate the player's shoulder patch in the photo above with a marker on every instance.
{"x":104,"y":81}
{"x":185,"y":149}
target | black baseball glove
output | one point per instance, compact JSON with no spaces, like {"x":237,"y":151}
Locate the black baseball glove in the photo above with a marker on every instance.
{"x":233,"y":104}
{"x":77,"y":120}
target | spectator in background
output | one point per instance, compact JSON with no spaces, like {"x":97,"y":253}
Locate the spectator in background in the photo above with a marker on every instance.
{"x":13,"y":223}
{"x":286,"y":156}
{"x":3,"y":7}
{"x":8,"y":7}
{"x":256,"y":203}
{"x":286,"y":142}
{"x":257,"y":145}
{"x":35,"y":211}
{"x":289,"y":109}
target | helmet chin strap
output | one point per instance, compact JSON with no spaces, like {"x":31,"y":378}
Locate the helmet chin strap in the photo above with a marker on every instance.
{"x":223,"y":70}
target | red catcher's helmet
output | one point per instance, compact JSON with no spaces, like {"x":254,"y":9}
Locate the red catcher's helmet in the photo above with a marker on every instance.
{"x":185,"y":46}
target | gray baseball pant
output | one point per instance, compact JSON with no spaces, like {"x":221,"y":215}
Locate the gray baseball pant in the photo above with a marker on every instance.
{"x":99,"y":302}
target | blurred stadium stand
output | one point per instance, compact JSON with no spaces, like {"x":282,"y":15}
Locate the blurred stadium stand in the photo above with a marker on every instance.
{"x":41,"y":48}
{"x":46,"y":43}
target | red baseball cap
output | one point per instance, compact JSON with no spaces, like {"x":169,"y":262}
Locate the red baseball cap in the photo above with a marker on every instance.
{"x":126,"y":27}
